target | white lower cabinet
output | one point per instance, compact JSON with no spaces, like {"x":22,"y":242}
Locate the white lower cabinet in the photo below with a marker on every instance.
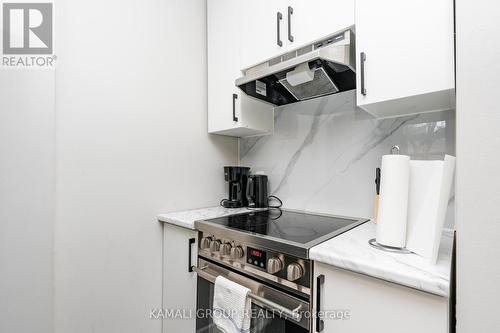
{"x":374,"y":305}
{"x":179,"y":285}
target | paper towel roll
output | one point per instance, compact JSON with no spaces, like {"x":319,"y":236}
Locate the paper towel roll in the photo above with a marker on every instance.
{"x":393,"y":205}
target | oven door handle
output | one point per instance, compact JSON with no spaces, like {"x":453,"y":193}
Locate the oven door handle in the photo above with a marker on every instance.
{"x":292,"y":314}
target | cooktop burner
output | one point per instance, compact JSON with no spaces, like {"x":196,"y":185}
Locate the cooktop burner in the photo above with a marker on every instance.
{"x":295,"y":229}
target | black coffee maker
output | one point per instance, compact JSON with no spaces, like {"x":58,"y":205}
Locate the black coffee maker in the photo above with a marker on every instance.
{"x":237,"y":178}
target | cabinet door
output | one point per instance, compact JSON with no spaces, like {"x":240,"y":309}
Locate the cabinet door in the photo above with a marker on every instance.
{"x":259,"y":26}
{"x":409,"y":51}
{"x":315,"y":19}
{"x":179,"y":285}
{"x":223,"y":39}
{"x":354,"y":303}
{"x":230,"y":111}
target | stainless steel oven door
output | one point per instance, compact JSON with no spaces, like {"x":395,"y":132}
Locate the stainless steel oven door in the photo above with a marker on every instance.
{"x":276,"y":311}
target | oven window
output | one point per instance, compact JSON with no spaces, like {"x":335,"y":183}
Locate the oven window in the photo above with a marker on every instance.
{"x":258,"y":325}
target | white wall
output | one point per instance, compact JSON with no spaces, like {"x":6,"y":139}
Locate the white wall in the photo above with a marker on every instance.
{"x":478,"y":166}
{"x":131,"y":142}
{"x":27,"y":164}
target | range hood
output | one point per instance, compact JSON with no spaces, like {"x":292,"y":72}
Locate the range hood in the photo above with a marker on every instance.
{"x":321,"y":68}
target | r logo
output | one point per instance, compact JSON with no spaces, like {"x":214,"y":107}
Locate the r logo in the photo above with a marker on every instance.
{"x":27,"y":28}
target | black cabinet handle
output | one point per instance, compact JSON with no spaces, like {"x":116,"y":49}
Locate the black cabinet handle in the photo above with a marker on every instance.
{"x":235,"y":96}
{"x":362,"y":60}
{"x":190,"y":251}
{"x":320,"y":324}
{"x":290,"y":12}
{"x":279,"y":17}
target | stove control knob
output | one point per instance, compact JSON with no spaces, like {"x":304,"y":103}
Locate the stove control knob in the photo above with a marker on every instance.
{"x":205,"y":242}
{"x":225,"y":249}
{"x":237,"y":252}
{"x":294,"y":272}
{"x":274,"y":265}
{"x":215,"y":246}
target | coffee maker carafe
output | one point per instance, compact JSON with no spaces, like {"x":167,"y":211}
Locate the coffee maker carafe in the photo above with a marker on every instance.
{"x":237,"y":179}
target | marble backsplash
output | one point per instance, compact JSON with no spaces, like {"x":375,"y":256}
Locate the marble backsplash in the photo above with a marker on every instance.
{"x":323,"y":154}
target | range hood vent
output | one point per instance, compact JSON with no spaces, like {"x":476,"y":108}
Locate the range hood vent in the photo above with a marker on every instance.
{"x":322,"y":68}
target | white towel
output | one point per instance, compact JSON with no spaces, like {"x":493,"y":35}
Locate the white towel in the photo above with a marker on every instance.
{"x":231,"y":310}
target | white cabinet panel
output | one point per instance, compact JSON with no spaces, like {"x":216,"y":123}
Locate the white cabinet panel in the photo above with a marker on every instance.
{"x":409,"y":48}
{"x":259,"y":27}
{"x":223,"y":39}
{"x":308,"y":21}
{"x":315,"y":19}
{"x":179,"y":285}
{"x":225,"y":48}
{"x":374,"y":305}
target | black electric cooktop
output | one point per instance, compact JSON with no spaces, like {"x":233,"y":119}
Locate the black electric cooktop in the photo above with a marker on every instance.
{"x":299,"y":229}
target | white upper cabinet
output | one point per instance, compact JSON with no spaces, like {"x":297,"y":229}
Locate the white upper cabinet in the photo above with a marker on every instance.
{"x":273,"y":27}
{"x":405,"y":56}
{"x":311,"y":20}
{"x":230,"y":111}
{"x":263,"y":25}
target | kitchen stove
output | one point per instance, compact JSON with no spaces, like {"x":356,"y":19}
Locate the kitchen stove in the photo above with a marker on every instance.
{"x":271,"y":244}
{"x":287,"y":231}
{"x":266,"y":251}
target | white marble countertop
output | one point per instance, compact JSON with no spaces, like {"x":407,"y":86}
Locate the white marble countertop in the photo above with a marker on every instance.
{"x":351,"y":251}
{"x":187,"y":218}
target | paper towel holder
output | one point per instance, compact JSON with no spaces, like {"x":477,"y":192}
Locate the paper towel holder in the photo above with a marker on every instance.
{"x":395,"y":150}
{"x":373,"y":243}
